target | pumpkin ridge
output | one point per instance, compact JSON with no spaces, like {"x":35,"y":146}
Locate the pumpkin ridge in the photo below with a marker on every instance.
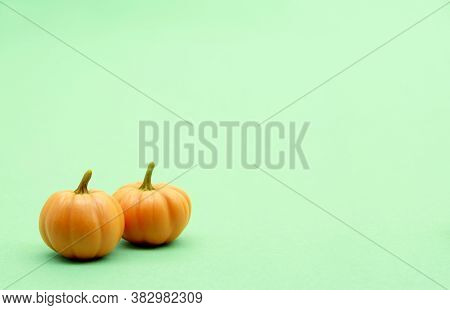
{"x":100,"y":225}
{"x":183,"y":193}
{"x":152,"y":219}
{"x":69,"y":248}
{"x":119,"y":191}
{"x":149,"y":204}
{"x":43,"y":218}
{"x":175,"y":193}
{"x":88,"y":232}
{"x":187,"y":211}
{"x":139,"y":207}
{"x":187,"y":199}
{"x":170,"y":213}
{"x":177,"y":201}
{"x":74,"y":239}
{"x":118,"y":213}
{"x":133,"y":203}
{"x":62,"y":204}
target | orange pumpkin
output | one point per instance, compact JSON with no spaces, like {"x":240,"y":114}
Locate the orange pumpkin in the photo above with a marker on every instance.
{"x":81,"y":224}
{"x":154,"y":213}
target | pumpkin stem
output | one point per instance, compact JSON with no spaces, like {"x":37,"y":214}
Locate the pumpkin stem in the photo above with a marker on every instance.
{"x":82,"y":188}
{"x":147,"y":183}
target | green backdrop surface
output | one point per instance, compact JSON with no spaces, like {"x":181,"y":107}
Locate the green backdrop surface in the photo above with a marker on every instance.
{"x":377,"y":145}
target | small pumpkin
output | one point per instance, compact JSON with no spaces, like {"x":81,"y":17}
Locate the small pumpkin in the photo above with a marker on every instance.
{"x":81,"y":224}
{"x":155,"y":214}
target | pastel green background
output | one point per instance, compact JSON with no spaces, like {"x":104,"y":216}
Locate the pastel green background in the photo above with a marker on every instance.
{"x":378,"y":142}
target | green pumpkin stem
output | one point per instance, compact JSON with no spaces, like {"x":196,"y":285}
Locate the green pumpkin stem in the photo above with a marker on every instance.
{"x":147,"y":183}
{"x":82,"y":188}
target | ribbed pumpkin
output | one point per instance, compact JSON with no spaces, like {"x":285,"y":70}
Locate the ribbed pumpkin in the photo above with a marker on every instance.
{"x":154,"y":213}
{"x":81,"y":224}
